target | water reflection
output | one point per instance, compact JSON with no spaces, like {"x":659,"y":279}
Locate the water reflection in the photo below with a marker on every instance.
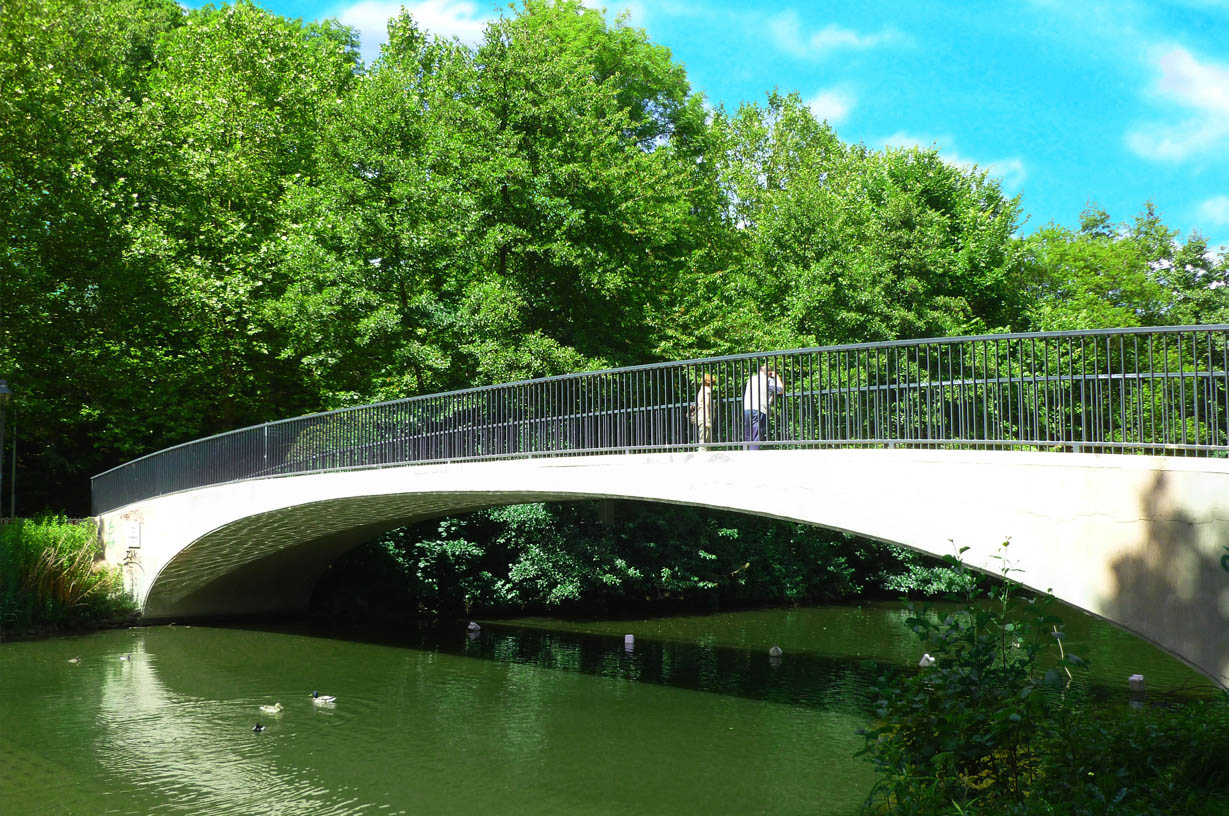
{"x":199,"y":748}
{"x":515,"y":717}
{"x":798,"y":679}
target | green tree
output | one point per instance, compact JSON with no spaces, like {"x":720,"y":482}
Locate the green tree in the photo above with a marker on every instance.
{"x":374,"y":258}
{"x":235,"y":104}
{"x":589,"y":145}
{"x":840,"y":243}
{"x":73,"y":312}
{"x":488,"y":215}
{"x":1108,"y":275}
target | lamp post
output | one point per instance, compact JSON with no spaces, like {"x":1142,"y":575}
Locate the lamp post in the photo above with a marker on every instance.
{"x":6,"y":394}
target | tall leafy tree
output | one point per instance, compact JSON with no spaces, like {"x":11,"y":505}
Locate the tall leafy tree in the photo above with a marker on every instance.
{"x":479,"y":216}
{"x":1107,"y":275}
{"x":72,"y":310}
{"x":235,"y":105}
{"x":841,"y":243}
{"x":375,"y":254}
{"x":591,"y":138}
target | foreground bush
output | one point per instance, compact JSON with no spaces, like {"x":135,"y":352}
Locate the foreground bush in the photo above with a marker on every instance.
{"x":996,"y":725}
{"x":49,"y":577}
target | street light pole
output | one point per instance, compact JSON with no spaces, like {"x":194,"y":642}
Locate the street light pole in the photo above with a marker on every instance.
{"x":6,"y":394}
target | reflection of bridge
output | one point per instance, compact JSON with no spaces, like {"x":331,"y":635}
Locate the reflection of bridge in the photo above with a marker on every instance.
{"x":921,"y":443}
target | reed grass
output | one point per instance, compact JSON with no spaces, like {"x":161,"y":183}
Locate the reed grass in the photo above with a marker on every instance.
{"x":51,"y":577}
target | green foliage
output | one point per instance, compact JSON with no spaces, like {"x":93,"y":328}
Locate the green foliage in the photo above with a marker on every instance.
{"x":915,"y":574}
{"x":1152,"y":761}
{"x":222,"y":214}
{"x":601,"y":556}
{"x":838,"y":243}
{"x":49,"y":576}
{"x":996,"y":725}
{"x":967,"y":729}
{"x":1107,"y":276}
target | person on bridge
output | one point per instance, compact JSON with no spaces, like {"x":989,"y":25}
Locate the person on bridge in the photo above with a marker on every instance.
{"x":702,"y":411}
{"x":761,"y":390}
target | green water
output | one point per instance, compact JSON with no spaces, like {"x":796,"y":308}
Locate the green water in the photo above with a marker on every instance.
{"x":526,"y":717}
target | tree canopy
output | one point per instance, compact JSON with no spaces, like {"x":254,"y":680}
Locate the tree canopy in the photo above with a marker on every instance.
{"x":215,"y":217}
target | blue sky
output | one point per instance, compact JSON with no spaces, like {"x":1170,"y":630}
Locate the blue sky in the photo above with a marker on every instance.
{"x":1067,"y":102}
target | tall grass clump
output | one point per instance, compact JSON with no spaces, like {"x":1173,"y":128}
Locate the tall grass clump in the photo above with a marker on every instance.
{"x":50,"y":579}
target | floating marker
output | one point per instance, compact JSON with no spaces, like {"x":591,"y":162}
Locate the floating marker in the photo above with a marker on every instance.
{"x":1139,"y":690}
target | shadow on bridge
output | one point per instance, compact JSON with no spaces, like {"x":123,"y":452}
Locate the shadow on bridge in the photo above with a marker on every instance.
{"x":1174,"y":583}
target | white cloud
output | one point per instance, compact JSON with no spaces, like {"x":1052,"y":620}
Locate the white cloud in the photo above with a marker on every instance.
{"x":1215,"y":210}
{"x":444,"y":18}
{"x":831,"y":104}
{"x":786,"y":30}
{"x":1202,"y":88}
{"x":1010,"y":171}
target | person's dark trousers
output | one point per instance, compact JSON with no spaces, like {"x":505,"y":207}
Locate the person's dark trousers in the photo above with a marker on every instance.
{"x":755,"y":427}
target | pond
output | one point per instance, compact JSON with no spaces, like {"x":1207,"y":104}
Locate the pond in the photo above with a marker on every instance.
{"x":529,"y":716}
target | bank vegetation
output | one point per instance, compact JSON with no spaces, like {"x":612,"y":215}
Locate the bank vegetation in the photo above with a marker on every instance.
{"x":52,"y":579}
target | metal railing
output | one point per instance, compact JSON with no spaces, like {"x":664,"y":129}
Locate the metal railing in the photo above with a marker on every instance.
{"x":1156,"y":390}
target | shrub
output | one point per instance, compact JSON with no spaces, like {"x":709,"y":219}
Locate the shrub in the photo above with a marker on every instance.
{"x":994,"y":726}
{"x":49,"y":576}
{"x":966,"y":729}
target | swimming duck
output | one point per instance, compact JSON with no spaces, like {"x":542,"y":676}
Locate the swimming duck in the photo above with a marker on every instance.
{"x":775,"y":651}
{"x":258,"y":728}
{"x":926,"y":660}
{"x":125,"y":658}
{"x":271,"y":709}
{"x":74,"y":660}
{"x":473,"y":626}
{"x":323,"y":699}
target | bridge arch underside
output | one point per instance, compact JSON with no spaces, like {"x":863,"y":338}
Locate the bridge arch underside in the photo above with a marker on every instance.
{"x":271,"y":562}
{"x":1135,"y":540}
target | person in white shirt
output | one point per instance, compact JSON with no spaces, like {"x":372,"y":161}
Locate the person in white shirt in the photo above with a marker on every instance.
{"x":761,"y":390}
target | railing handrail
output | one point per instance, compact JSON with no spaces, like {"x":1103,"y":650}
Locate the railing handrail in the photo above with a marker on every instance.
{"x":550,"y":390}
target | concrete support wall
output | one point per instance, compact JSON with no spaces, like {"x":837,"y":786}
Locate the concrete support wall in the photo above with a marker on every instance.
{"x":1140,"y":541}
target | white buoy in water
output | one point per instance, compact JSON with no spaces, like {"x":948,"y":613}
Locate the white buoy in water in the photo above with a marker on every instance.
{"x":775,"y":651}
{"x":926,"y":660}
{"x":473,"y":627}
{"x":1139,"y":690}
{"x":629,"y":642}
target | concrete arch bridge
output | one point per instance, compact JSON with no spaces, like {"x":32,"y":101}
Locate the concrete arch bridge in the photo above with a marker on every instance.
{"x":1103,"y":456}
